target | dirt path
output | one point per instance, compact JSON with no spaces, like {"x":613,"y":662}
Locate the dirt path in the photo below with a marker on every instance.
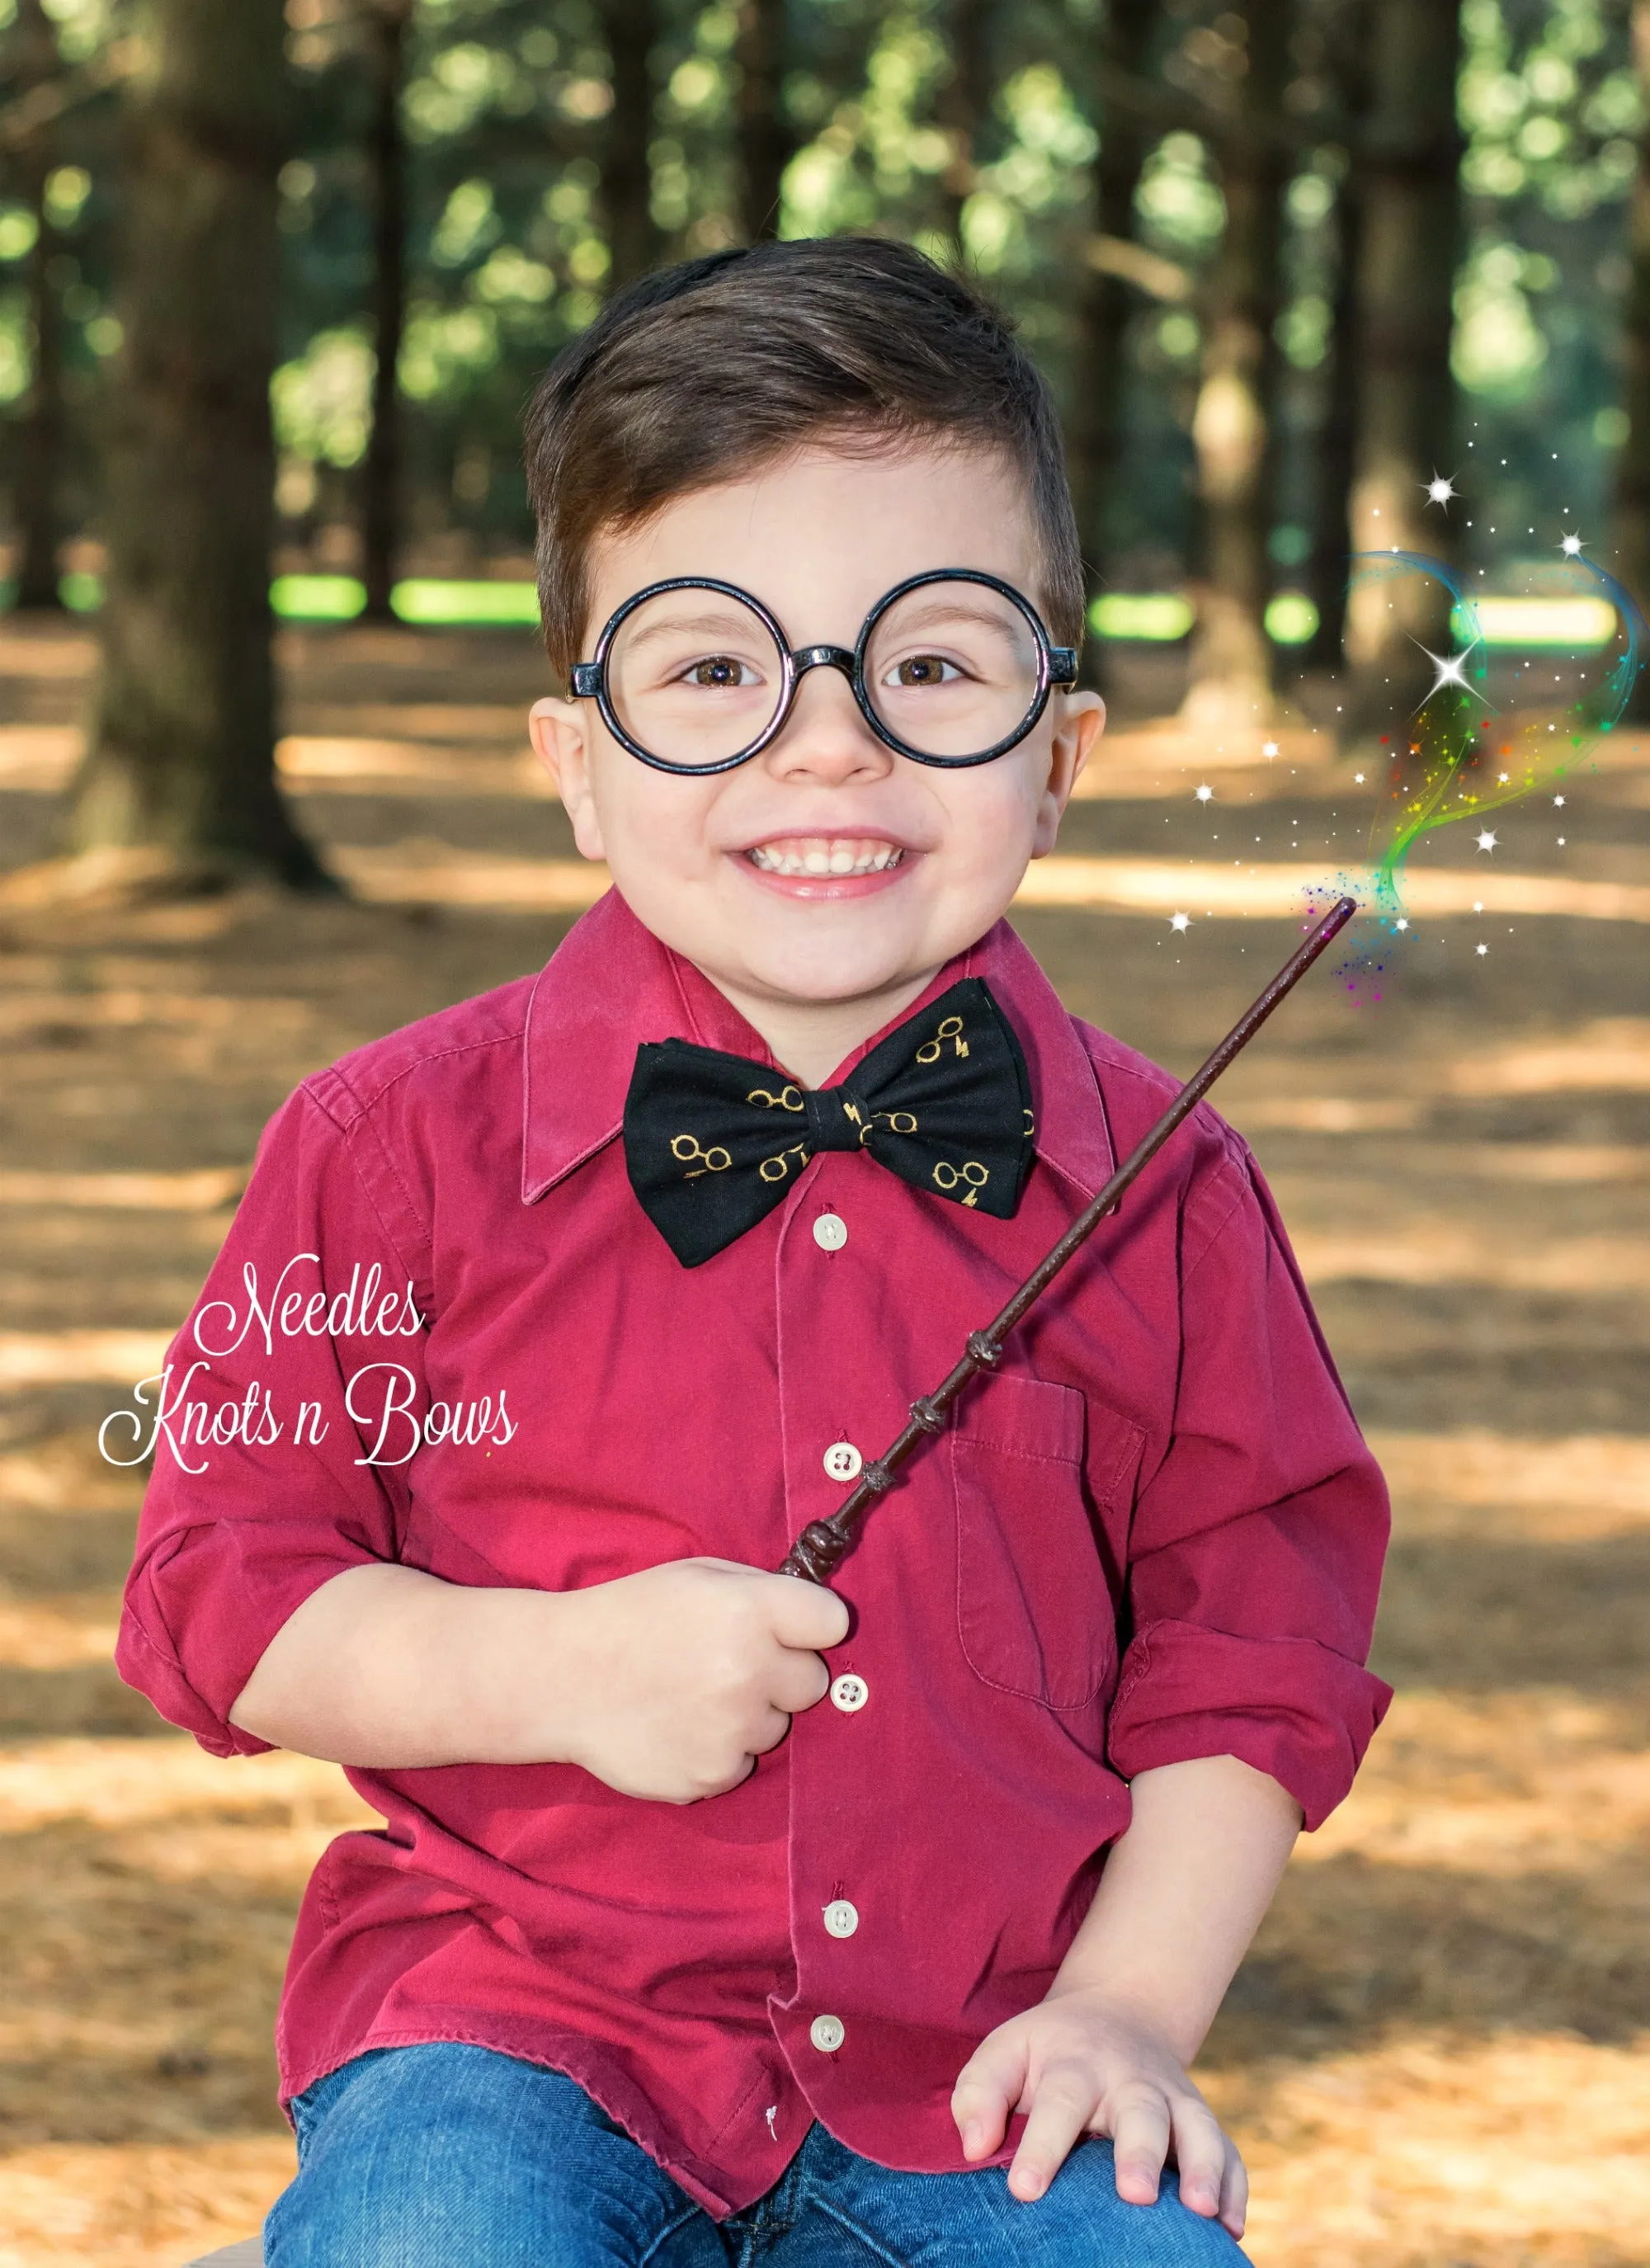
{"x":1436,"y":2054}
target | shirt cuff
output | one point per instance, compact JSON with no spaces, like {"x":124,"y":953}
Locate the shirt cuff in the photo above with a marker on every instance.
{"x":1286,"y":1705}
{"x":230,"y":1602}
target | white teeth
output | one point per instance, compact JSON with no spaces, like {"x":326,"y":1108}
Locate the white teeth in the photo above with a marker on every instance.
{"x":836,"y":855}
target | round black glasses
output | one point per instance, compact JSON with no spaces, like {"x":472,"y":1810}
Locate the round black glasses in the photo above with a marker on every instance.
{"x":952,"y":668}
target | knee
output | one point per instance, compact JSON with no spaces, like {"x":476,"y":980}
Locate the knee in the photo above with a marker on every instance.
{"x":1167,"y":2234}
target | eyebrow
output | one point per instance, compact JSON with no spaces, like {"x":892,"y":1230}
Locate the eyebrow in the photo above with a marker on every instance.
{"x":695,"y":626}
{"x":926,"y":617}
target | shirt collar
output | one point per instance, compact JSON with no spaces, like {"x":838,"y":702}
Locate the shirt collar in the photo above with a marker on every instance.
{"x":611,"y":984}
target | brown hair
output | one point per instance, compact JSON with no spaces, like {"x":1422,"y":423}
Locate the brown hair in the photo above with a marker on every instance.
{"x":706,"y":370}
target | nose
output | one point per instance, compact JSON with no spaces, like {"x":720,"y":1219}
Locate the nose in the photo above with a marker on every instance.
{"x":825,"y":738}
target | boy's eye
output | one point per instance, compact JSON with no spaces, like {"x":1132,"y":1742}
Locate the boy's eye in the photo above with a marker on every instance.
{"x":720,"y":671}
{"x":922,"y":669}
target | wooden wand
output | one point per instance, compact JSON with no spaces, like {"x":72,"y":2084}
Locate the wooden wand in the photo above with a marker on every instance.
{"x":822,"y":1545}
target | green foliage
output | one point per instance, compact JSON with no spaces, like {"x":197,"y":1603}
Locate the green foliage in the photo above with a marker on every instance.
{"x":506,"y":111}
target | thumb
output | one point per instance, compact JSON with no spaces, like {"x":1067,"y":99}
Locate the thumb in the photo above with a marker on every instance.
{"x":805,"y":1614}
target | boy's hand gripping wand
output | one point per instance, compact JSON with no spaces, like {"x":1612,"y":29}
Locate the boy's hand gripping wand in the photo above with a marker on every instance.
{"x":823,"y":1544}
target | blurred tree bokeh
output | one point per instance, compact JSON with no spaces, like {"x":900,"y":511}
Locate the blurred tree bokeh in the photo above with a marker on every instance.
{"x":1282,"y":260}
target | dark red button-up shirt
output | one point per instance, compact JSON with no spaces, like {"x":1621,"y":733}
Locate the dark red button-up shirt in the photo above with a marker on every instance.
{"x":442,"y":1332}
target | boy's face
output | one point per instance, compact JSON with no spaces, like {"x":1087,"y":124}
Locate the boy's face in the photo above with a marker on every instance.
{"x":819,"y":538}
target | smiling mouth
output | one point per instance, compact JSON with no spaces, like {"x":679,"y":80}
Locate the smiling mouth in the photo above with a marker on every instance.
{"x":819,"y":856}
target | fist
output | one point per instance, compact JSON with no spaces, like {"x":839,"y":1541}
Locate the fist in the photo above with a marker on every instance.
{"x":680,"y":1677}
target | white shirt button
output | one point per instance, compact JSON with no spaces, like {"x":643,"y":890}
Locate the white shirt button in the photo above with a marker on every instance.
{"x":842,"y":1917}
{"x":827,"y":2034}
{"x":842,"y":1461}
{"x":850,"y":1693}
{"x":831,"y":1231}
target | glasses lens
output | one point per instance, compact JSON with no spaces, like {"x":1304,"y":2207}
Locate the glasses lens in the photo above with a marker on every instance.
{"x":694,"y":676}
{"x":951,"y":668}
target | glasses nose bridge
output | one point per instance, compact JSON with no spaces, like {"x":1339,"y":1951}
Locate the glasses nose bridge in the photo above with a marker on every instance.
{"x":805,"y":658}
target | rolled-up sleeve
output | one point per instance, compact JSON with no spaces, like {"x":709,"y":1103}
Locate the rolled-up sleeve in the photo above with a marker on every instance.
{"x":1256,"y":1545}
{"x":282,"y":1422}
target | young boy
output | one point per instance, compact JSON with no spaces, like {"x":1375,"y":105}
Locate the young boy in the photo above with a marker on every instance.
{"x":716,"y":1914}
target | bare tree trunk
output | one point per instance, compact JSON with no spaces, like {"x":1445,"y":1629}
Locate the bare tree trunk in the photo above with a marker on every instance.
{"x":1411,"y":163}
{"x":1107,"y":300}
{"x":181,"y":759}
{"x":1337,"y":434}
{"x":40,"y":435}
{"x":386,"y":24}
{"x":630,"y":28}
{"x":767,"y":141}
{"x":1630,"y":531}
{"x":965,"y":105}
{"x":1234,"y":426}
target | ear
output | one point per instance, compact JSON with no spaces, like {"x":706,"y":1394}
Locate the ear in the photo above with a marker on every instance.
{"x":559,"y":731}
{"x":1081,"y":721}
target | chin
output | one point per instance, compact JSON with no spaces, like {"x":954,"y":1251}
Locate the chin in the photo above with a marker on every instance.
{"x":824,"y":976}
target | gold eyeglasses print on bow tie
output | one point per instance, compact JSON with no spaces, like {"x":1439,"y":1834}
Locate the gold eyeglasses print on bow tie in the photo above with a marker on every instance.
{"x":951,"y":667}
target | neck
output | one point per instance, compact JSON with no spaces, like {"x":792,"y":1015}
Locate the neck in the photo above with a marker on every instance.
{"x":809,"y":1038}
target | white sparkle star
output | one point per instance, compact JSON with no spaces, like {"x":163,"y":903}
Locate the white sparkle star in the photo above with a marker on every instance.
{"x":1402,"y":922}
{"x":1204,"y":794}
{"x":1486,"y":841}
{"x":1449,"y":672}
{"x":1440,"y":488}
{"x":1180,"y":922}
{"x":1558,"y":802}
{"x":1504,"y":779}
{"x":1269,"y":747}
{"x":1359,"y":777}
{"x":1561,"y":843}
{"x":1571,"y":545}
{"x":1484,"y":949}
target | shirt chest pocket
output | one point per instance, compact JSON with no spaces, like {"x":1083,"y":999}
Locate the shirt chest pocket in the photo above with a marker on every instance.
{"x":1034,"y":1611}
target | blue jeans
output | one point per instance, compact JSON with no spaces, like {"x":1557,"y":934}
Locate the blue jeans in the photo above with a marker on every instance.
{"x":455,"y":2157}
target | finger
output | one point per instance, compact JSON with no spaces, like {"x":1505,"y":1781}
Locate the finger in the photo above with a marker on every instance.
{"x":804,"y":1614}
{"x":768,"y":1727}
{"x":1060,"y":2111}
{"x":1234,"y":2193}
{"x":742,"y":1772}
{"x":1200,"y":2152}
{"x":797,"y":1681}
{"x":1139,"y":2142}
{"x":988,"y":2087}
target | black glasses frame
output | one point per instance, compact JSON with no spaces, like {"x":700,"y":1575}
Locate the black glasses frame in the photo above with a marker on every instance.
{"x":1057,"y":667}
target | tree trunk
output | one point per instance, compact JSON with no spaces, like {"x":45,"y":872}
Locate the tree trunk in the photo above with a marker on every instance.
{"x":1107,"y":300}
{"x":965,"y":105}
{"x":1234,"y":428}
{"x":767,"y":142}
{"x":181,"y":759}
{"x":40,"y":438}
{"x":1632,"y":528}
{"x":386,"y":24}
{"x":630,"y":28}
{"x":1337,"y":433}
{"x":1411,"y":163}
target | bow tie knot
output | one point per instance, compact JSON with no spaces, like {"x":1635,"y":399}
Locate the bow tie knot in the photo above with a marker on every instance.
{"x":712,"y":1141}
{"x":835,"y":1120}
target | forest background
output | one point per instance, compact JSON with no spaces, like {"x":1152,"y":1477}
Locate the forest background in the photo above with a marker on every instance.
{"x":1283,"y":263}
{"x":276,"y":277}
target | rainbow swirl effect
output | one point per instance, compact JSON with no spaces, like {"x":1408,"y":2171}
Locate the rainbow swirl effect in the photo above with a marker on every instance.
{"x":1483,"y":738}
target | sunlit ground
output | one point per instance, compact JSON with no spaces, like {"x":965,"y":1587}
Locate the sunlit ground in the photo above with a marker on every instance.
{"x":1436,"y":2054}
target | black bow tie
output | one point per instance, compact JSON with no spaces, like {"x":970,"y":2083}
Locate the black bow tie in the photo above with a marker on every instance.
{"x":713,"y":1142}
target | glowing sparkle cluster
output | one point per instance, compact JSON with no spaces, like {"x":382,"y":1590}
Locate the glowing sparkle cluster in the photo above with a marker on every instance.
{"x":1496,"y":722}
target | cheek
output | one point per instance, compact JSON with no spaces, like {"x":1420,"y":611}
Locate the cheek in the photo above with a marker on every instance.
{"x":993,"y":812}
{"x":651,"y":815}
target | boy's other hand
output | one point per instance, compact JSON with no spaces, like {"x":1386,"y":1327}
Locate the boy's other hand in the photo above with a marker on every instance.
{"x":683,"y":1674}
{"x":1079,"y":2063}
